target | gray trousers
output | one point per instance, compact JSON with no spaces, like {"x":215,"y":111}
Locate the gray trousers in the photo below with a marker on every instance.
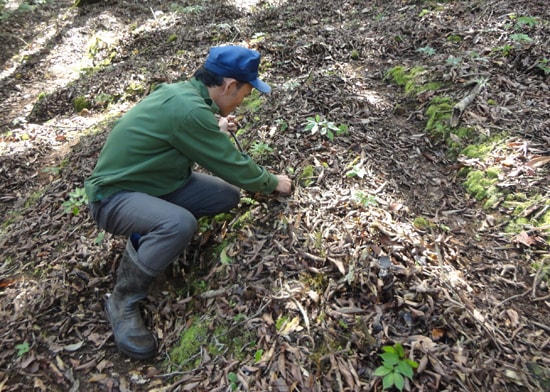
{"x":165,"y":224}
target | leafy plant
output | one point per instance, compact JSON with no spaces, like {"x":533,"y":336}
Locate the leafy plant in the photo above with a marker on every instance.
{"x":77,"y":199}
{"x":526,"y":21}
{"x":427,"y":50}
{"x":22,"y":349}
{"x":324,"y":127}
{"x":258,"y":355}
{"x":259,"y":149}
{"x":395,"y":367}
{"x":233,"y":380}
{"x":364,"y":199}
{"x":357,"y":171}
{"x":521,"y":38}
{"x":544,"y":65}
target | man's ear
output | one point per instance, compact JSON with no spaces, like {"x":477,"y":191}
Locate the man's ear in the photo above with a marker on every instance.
{"x":228,"y":84}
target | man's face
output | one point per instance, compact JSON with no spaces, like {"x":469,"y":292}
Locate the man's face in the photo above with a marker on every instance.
{"x":233,"y":95}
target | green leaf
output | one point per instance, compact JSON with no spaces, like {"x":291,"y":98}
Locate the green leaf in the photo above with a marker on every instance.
{"x":390,"y":359}
{"x":381,"y":371}
{"x":232,"y":377}
{"x":389,"y":349}
{"x":412,"y":363}
{"x":224,"y":258}
{"x":398,"y":381}
{"x":400,"y":350}
{"x":258,"y":355}
{"x":405,"y":369}
{"x":388,"y":381}
{"x":22,"y":349}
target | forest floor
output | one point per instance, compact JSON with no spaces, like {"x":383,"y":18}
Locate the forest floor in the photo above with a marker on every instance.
{"x":404,"y":230}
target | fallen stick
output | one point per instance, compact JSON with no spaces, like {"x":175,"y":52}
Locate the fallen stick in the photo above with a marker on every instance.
{"x":459,"y":108}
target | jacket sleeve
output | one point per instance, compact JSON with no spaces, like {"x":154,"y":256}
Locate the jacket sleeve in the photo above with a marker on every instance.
{"x":200,"y":139}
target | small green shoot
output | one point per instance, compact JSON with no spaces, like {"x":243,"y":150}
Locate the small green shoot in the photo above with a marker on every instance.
{"x":77,"y":199}
{"x":22,"y":349}
{"x":544,"y":65}
{"x":324,"y":127}
{"x":233,"y":380}
{"x":259,"y":149}
{"x":364,"y":199}
{"x":258,"y":355}
{"x":521,"y":38}
{"x":395,"y":367}
{"x":427,"y":50}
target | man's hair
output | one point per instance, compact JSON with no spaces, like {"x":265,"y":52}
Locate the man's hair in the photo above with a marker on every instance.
{"x":211,"y":79}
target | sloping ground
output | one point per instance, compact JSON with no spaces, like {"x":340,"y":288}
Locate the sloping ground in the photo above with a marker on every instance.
{"x":296,"y":293}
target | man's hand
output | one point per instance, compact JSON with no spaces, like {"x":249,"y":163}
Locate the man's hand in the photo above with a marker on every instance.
{"x":227,"y":124}
{"x":285,"y":184}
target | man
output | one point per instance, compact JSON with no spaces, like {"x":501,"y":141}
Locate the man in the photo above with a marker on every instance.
{"x":143,"y":185}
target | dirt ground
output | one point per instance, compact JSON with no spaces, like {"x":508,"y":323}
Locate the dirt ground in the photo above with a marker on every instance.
{"x":378,"y":244}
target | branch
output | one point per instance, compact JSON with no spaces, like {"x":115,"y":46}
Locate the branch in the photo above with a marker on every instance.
{"x":459,"y":108}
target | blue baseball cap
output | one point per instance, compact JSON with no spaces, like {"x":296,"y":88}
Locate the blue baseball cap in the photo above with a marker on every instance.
{"x":236,"y":62}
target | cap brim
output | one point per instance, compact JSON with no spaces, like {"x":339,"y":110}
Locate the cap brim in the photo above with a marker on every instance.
{"x":262,"y":87}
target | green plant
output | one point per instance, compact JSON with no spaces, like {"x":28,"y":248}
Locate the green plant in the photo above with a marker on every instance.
{"x":364,"y":199}
{"x":427,"y":50}
{"x":80,"y":103}
{"x":283,"y":125}
{"x":395,"y":367}
{"x":521,"y":38}
{"x":259,"y":149}
{"x":77,"y":199}
{"x":233,"y":380}
{"x":526,"y":21}
{"x":324,"y":127}
{"x":22,"y":349}
{"x":357,"y":171}
{"x":544,"y":65}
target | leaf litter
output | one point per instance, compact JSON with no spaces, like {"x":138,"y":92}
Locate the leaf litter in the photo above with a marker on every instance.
{"x":318,"y":281}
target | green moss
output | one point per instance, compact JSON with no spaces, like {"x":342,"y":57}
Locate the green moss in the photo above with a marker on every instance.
{"x":192,"y":338}
{"x":454,"y":38}
{"x":477,"y":150}
{"x":516,"y":225}
{"x":439,"y":112}
{"x":80,"y":103}
{"x":483,"y":187}
{"x":253,"y":102}
{"x":492,"y":172}
{"x":413,"y":79}
{"x":422,"y":223}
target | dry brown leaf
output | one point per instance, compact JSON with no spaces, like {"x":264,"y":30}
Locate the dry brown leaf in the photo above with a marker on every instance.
{"x":538,"y":162}
{"x":525,"y":239}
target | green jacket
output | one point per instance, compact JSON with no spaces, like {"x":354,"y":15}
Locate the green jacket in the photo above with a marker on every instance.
{"x":153,"y":147}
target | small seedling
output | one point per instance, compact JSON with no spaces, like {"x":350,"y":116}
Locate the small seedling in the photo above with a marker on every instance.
{"x":22,"y":349}
{"x":324,"y":127}
{"x":77,"y":199}
{"x":260,"y":149}
{"x":427,"y":50}
{"x":521,"y":38}
{"x":233,"y":380}
{"x":395,"y":367}
{"x":544,"y":65}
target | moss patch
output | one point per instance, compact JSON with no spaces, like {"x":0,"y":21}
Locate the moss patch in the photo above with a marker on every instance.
{"x":482,"y":186}
{"x":227,"y":339}
{"x":414,"y":80}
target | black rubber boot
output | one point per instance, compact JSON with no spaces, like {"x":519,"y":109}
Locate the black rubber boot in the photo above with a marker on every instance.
{"x":131,"y":335}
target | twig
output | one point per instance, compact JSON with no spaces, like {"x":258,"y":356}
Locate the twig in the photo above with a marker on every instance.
{"x":459,"y":108}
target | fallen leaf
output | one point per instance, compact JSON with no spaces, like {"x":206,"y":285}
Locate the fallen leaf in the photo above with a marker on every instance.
{"x":538,"y":162}
{"x":73,"y":347}
{"x":524,"y":238}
